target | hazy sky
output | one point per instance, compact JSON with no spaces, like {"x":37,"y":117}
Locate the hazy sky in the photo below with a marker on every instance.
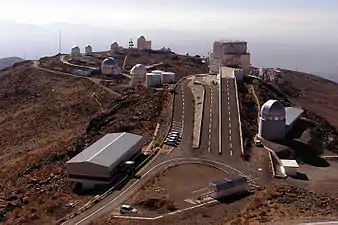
{"x":278,"y":15}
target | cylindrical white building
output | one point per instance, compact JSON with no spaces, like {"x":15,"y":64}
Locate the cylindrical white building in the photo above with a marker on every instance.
{"x":75,"y":53}
{"x":272,"y":121}
{"x":153,"y":80}
{"x":167,"y":78}
{"x":88,"y":50}
{"x":109,"y":66}
{"x":138,"y":74}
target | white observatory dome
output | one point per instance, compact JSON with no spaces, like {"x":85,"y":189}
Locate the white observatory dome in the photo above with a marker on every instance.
{"x":76,"y":50}
{"x":138,"y":69}
{"x":88,"y":49}
{"x":273,"y":109}
{"x":114,"y":45}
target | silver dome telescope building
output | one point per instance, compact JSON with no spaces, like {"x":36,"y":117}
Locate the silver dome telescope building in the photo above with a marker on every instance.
{"x":272,"y":121}
{"x":110,"y":67}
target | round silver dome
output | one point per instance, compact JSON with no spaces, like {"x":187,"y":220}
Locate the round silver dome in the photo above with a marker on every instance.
{"x":273,"y":108}
{"x":109,"y":62}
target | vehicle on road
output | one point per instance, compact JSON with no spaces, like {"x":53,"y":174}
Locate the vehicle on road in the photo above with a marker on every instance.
{"x":127,"y":209}
{"x":258,"y":143}
{"x":175,"y":136}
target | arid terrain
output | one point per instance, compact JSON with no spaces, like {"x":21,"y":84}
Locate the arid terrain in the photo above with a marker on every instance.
{"x":47,"y":118}
{"x":269,"y":204}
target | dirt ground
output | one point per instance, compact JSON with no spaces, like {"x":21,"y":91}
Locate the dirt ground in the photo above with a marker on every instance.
{"x":269,"y":204}
{"x":46,"y":119}
{"x":169,"y":190}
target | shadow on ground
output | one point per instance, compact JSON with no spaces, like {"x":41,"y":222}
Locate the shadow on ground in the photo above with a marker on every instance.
{"x":235,"y":197}
{"x":300,"y":176}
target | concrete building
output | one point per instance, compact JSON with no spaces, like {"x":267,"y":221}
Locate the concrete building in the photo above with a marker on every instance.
{"x":290,"y":166}
{"x":75,"y":53}
{"x":147,"y":45}
{"x":230,"y":54}
{"x":272,"y":121}
{"x":138,"y":74}
{"x":234,"y":185}
{"x":100,"y":162}
{"x":109,"y":66}
{"x":88,"y":50}
{"x":153,"y":79}
{"x":143,"y":44}
{"x":276,"y":121}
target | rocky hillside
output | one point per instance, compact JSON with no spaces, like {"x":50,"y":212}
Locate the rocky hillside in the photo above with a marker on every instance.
{"x":48,"y":117}
{"x":9,"y":61}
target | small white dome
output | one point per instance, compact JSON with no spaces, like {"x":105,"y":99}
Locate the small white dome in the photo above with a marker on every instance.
{"x":114,"y":45}
{"x":138,"y":69}
{"x":88,"y":49}
{"x":76,"y":50}
{"x":109,"y":63}
{"x":273,"y":108}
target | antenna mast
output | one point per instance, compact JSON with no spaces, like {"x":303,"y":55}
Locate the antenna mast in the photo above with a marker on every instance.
{"x":59,"y":41}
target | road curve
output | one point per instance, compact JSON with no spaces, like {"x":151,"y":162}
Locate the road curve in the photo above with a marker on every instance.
{"x":109,"y":204}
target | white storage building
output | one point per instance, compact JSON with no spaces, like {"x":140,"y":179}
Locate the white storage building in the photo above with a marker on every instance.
{"x":167,"y":77}
{"x":98,"y":164}
{"x":153,"y":79}
{"x":234,"y":185}
{"x":290,"y":166}
{"x":75,"y":53}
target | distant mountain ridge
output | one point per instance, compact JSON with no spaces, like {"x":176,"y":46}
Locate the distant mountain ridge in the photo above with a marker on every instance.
{"x":9,"y":61}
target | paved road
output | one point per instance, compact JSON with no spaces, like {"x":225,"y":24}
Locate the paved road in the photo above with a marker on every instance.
{"x":210,"y":122}
{"x":183,"y":122}
{"x":231,"y":143}
{"x":112,"y":202}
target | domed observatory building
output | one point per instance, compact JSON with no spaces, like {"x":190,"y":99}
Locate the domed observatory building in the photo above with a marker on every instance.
{"x":141,"y":43}
{"x":114,"y":47}
{"x":75,"y":53}
{"x":138,"y":74}
{"x":272,"y":121}
{"x":110,"y":67}
{"x":88,"y":50}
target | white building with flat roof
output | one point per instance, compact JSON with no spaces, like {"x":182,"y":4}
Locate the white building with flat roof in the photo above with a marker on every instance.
{"x":98,"y":164}
{"x":290,"y":166}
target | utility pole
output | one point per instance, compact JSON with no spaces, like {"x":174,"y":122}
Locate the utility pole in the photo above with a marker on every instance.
{"x":59,"y":41}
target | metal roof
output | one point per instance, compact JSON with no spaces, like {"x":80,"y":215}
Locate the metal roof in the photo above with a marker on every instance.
{"x":108,"y":149}
{"x":292,"y":114}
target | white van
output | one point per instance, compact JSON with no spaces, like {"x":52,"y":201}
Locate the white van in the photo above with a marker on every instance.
{"x":127,"y":209}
